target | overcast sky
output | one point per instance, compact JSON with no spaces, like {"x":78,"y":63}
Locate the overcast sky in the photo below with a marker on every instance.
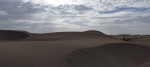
{"x":108,"y":16}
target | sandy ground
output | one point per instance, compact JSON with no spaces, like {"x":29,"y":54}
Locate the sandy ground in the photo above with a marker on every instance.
{"x":73,"y":49}
{"x":139,"y":39}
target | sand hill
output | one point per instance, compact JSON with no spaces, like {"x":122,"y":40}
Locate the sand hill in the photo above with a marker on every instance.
{"x":111,"y":55}
{"x":67,"y":36}
{"x":70,"y":49}
{"x":6,"y":35}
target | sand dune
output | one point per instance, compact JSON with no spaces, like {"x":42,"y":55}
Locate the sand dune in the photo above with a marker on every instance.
{"x":67,"y":36}
{"x":111,"y":55}
{"x":43,"y":53}
{"x":6,"y":35}
{"x":70,"y":49}
{"x":25,"y":36}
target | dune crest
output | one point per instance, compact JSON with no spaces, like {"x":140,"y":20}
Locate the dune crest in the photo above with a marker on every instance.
{"x":111,"y":55}
{"x":10,"y":35}
{"x":68,"y":36}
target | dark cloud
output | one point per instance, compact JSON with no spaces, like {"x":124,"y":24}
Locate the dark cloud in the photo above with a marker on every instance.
{"x":119,"y":9}
{"x":17,"y":9}
{"x":82,"y":8}
{"x":68,"y":9}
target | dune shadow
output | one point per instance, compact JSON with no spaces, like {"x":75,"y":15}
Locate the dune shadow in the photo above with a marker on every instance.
{"x":9,"y":35}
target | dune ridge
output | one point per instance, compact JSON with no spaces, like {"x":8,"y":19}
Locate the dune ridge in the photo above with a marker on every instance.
{"x":68,"y":36}
{"x":111,"y":55}
{"x":12,"y":35}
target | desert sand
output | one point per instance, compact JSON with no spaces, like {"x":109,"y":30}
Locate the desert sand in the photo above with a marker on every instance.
{"x":72,"y":49}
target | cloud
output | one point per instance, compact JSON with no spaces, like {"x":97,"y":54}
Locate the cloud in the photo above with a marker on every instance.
{"x":82,"y":8}
{"x":3,"y":13}
{"x":112,"y":17}
{"x":119,"y":9}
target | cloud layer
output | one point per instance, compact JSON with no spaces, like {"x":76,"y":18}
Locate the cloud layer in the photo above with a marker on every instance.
{"x":111,"y":17}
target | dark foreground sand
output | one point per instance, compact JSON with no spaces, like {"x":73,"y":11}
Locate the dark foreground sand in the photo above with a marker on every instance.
{"x":70,"y":49}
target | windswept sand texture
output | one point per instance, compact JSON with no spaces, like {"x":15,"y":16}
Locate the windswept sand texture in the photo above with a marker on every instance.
{"x":111,"y":55}
{"x":70,"y":49}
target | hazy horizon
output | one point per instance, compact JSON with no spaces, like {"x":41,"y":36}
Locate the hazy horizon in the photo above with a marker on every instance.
{"x":107,"y":16}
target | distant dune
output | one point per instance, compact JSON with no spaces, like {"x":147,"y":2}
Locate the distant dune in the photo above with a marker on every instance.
{"x":68,"y":36}
{"x":9,"y":35}
{"x":6,"y":35}
{"x":139,"y":39}
{"x":70,"y":49}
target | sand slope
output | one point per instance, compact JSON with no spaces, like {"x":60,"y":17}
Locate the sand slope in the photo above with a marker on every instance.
{"x":111,"y":55}
{"x":71,"y":49}
{"x":42,"y":53}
